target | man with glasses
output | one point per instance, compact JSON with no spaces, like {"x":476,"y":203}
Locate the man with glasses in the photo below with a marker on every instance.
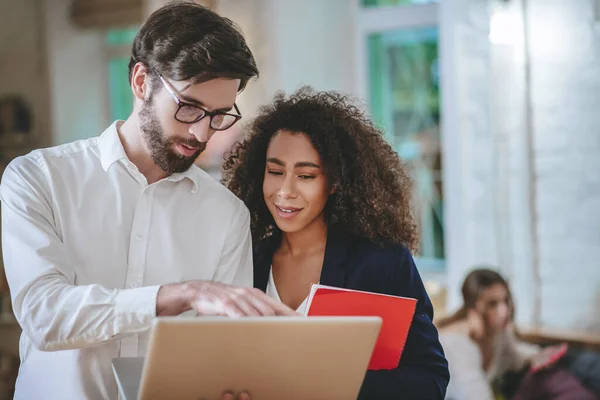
{"x":100,"y":236}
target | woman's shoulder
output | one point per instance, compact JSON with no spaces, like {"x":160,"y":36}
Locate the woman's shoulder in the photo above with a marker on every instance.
{"x":457,"y":342}
{"x":384,"y":267}
{"x":385,"y":259}
{"x":371,"y":248}
{"x":457,"y":328}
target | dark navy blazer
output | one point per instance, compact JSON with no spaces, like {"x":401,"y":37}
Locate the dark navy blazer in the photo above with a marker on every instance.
{"x":356,"y":263}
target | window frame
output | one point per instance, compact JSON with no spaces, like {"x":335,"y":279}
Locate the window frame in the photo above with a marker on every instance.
{"x":369,"y":20}
{"x":111,"y":52}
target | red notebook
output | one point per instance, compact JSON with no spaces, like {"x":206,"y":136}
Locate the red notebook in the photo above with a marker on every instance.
{"x":396,"y":312}
{"x":548,"y":357}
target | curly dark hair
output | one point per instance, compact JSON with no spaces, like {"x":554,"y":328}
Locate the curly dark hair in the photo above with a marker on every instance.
{"x":372,"y":197}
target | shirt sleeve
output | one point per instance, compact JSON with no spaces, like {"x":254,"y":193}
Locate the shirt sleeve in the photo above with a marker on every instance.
{"x":53,"y":312}
{"x":235,"y":264}
{"x":516,"y":353}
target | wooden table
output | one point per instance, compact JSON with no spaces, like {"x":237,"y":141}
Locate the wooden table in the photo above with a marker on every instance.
{"x":541,"y":335}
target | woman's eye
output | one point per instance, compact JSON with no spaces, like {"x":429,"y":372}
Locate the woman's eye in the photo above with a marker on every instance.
{"x":271,"y":172}
{"x":305,"y":177}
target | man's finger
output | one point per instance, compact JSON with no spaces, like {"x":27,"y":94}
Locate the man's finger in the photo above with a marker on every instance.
{"x":265,"y":309}
{"x":283,"y":310}
{"x":232,"y":310}
{"x":243,"y":396}
{"x":247,"y":307}
{"x":228,"y":396}
{"x":278,"y":307}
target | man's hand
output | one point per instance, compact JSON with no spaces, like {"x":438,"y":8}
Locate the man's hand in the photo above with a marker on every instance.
{"x":213,"y":298}
{"x":232,"y":396}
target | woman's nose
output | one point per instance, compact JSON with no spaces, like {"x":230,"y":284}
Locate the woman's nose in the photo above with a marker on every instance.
{"x":287,"y":189}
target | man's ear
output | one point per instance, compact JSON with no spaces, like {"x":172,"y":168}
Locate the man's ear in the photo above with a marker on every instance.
{"x":140,"y":82}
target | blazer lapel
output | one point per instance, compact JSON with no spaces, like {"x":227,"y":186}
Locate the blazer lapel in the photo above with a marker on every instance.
{"x":336,"y":255}
{"x":263,"y":258}
{"x":333,"y":272}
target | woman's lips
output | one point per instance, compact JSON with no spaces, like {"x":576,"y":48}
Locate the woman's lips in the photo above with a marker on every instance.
{"x":287,"y":212}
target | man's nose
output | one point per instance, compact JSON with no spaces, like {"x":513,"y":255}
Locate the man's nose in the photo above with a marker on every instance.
{"x":201,"y":130}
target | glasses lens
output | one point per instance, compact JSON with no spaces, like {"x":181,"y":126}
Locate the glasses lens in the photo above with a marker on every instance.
{"x":221,"y":122}
{"x":189,"y":114}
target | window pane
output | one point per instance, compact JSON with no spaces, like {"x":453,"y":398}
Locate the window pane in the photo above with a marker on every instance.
{"x":118,"y":43}
{"x":117,"y":37}
{"x":120,"y":96}
{"x":383,"y":3}
{"x":404,"y":99}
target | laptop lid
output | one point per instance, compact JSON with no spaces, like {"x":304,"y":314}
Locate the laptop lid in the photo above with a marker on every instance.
{"x":273,"y":358}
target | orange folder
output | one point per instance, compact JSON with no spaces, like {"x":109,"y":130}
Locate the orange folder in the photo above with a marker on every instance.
{"x":396,"y":312}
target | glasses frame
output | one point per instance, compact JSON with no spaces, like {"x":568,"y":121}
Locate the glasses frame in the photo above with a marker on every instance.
{"x":180,"y":103}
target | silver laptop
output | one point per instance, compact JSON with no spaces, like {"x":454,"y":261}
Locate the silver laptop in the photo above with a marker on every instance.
{"x":128,"y":373}
{"x":273,"y":358}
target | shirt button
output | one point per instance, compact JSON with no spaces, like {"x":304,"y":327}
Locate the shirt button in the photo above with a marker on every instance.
{"x":133,"y":285}
{"x":139,"y":238}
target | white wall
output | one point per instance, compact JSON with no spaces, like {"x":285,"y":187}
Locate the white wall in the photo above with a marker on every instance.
{"x":565,"y":63}
{"x":295,"y":42}
{"x":466,"y":138}
{"x":78,"y":76}
{"x":527,"y":155}
{"x":253,"y":18}
{"x":314,"y":44}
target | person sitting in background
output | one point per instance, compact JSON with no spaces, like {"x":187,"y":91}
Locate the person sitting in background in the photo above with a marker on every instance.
{"x":481,"y":345}
{"x":330,"y":203}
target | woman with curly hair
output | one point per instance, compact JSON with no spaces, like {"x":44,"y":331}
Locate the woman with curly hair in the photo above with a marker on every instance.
{"x":330,"y":203}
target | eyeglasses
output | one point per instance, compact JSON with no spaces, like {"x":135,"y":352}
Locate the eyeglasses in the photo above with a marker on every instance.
{"x":190,"y":114}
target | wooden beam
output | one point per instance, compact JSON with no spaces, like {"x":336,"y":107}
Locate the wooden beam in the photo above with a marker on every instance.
{"x":106,"y":14}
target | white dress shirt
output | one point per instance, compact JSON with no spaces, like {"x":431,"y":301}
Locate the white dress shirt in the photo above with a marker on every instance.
{"x":87,"y":243}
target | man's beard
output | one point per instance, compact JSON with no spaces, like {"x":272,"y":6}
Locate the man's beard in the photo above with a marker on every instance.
{"x":161,"y":148}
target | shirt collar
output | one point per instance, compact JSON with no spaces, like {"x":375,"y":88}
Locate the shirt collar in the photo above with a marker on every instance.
{"x":111,"y":151}
{"x":111,"y":148}
{"x":193,"y":174}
